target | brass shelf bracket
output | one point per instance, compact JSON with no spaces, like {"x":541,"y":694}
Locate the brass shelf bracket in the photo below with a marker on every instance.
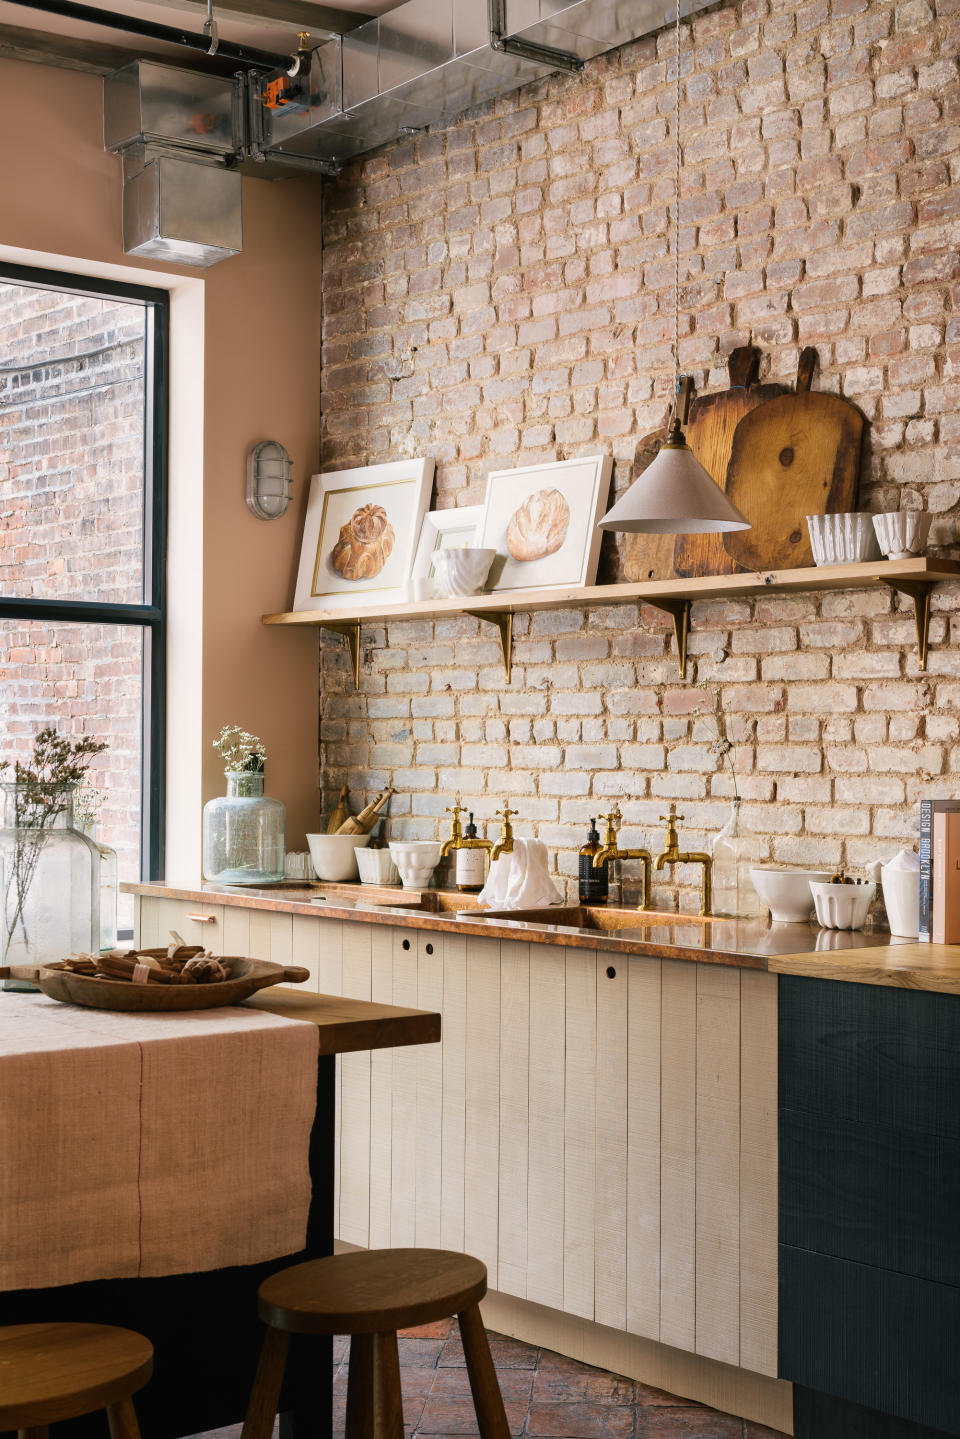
{"x":350,"y":629}
{"x":919,"y":592}
{"x":680,"y":612}
{"x":503,"y":619}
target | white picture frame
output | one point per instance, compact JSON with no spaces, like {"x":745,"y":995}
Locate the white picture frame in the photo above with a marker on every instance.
{"x":445,"y":530}
{"x":347,"y":568}
{"x":542,"y":522}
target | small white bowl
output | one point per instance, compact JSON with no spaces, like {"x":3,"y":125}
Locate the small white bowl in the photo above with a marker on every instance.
{"x":842,"y":539}
{"x":376,"y":866}
{"x":842,"y":906}
{"x":902,"y":533}
{"x":462,"y":572}
{"x":416,"y":859}
{"x":786,"y":892}
{"x":335,"y":855}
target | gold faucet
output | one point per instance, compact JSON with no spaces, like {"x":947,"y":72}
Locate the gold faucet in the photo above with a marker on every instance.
{"x":504,"y":844}
{"x":673,"y":855}
{"x":612,"y":850}
{"x":457,"y":839}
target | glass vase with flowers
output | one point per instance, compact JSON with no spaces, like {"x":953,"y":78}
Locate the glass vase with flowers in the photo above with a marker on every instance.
{"x":50,"y":871}
{"x":243,"y":830}
{"x":735,"y":848}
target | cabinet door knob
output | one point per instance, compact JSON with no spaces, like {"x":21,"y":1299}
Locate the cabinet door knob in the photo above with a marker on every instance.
{"x":203,"y":918}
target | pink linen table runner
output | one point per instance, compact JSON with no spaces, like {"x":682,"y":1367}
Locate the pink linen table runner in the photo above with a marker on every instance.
{"x":135,"y":1145}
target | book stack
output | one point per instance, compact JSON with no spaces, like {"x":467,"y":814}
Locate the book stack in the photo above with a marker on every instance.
{"x":940,"y":871}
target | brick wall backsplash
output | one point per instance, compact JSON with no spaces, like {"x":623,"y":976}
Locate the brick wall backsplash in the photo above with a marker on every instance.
{"x":501,"y":292}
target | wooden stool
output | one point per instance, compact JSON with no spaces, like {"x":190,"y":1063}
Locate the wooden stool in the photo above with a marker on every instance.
{"x":50,"y":1372}
{"x":369,"y":1295}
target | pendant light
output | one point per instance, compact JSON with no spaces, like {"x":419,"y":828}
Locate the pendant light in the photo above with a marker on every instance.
{"x":675,"y":495}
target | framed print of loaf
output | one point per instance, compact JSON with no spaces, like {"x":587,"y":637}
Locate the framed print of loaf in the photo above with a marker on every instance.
{"x":542,"y":522}
{"x":360,"y":534}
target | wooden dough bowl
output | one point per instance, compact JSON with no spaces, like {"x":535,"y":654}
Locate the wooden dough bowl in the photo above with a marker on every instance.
{"x":248,"y":976}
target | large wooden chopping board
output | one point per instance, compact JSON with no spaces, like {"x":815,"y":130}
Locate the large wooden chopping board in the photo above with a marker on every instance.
{"x":794,"y":456}
{"x":709,"y":432}
{"x":710,"y":429}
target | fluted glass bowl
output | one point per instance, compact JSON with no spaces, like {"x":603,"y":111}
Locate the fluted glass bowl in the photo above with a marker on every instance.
{"x":462,"y":572}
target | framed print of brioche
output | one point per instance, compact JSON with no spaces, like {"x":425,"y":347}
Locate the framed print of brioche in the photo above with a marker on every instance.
{"x":542,"y":522}
{"x":360,"y":534}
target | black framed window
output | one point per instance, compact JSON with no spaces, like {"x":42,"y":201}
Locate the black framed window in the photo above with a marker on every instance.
{"x":83,"y":507}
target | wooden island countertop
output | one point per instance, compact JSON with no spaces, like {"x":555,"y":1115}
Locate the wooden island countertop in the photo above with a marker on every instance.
{"x":871,"y":957}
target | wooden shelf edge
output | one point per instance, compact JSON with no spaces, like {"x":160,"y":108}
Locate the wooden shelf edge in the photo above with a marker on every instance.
{"x":922,"y":570}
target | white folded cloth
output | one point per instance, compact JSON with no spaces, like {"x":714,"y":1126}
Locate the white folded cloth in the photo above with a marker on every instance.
{"x":519,"y":880}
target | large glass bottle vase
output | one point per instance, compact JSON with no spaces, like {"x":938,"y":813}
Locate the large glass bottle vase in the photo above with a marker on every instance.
{"x":243,"y":833}
{"x":51,"y":880}
{"x":735,"y":851}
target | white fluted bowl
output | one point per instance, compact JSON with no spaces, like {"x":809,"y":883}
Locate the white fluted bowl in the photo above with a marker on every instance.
{"x":786,"y":892}
{"x":842,"y":906}
{"x":376,"y":866}
{"x":462,"y":572}
{"x":902,"y":533}
{"x":416,"y":859}
{"x":842,"y":539}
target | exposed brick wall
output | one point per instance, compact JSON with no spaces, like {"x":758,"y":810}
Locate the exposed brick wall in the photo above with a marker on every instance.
{"x":501,"y":292}
{"x":71,"y":519}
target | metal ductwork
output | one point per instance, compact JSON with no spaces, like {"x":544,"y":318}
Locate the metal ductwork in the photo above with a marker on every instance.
{"x":421,"y":64}
{"x":429,"y":60}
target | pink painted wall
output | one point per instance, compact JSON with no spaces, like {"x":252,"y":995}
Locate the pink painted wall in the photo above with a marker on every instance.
{"x":261,"y":379}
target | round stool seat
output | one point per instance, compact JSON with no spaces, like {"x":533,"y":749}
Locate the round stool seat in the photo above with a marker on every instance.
{"x":372,"y":1291}
{"x":50,"y":1372}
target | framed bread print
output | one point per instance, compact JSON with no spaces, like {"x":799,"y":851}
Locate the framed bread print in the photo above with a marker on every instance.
{"x":361,"y":533}
{"x":542,"y":522}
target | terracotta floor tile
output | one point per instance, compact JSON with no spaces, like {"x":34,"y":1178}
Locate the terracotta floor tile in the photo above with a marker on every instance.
{"x":581,"y":1420}
{"x":516,"y":1385}
{"x":440,"y":1329}
{"x":507,"y":1353}
{"x":455,"y":1415}
{"x":659,"y":1398}
{"x":562,"y":1380}
{"x":679,"y":1422}
{"x":760,"y":1431}
{"x":420,"y":1353}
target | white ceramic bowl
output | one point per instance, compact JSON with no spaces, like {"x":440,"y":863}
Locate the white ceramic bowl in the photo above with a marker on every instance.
{"x":376,"y":866}
{"x":842,"y":906}
{"x":786,"y":892}
{"x":842,"y":539}
{"x":416,"y":859}
{"x":462,"y":572}
{"x":902,"y":533}
{"x":334,"y":856}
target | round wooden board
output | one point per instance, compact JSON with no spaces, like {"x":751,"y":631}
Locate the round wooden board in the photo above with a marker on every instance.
{"x":250,"y":975}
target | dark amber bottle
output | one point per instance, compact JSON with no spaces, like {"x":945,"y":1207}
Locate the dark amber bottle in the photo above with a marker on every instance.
{"x":594,"y":883}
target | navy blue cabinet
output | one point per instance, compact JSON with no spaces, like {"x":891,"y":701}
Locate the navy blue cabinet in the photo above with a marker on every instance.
{"x":870,"y":1209}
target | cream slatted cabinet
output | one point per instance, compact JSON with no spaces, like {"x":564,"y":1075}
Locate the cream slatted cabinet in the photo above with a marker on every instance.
{"x":599,"y":1129}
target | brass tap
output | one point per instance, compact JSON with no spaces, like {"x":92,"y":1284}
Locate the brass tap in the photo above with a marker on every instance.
{"x":612,"y":850}
{"x":457,"y":839}
{"x":674,"y":855}
{"x":504,"y":844}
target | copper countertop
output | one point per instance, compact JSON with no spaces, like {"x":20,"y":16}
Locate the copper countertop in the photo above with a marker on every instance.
{"x":869,"y":957}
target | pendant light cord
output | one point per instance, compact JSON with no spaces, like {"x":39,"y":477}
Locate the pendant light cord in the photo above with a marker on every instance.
{"x":676,"y":227}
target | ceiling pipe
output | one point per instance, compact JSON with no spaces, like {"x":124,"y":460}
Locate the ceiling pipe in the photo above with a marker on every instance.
{"x":225,"y":50}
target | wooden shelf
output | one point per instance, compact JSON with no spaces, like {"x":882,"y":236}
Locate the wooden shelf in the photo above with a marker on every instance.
{"x":914,"y":578}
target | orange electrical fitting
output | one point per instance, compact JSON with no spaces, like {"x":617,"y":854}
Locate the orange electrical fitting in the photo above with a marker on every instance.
{"x":275,"y":94}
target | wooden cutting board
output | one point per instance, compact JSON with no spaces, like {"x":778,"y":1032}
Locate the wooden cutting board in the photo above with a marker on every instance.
{"x":710,"y":429}
{"x":794,"y":456}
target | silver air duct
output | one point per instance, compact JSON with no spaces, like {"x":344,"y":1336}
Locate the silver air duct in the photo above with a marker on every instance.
{"x":421,"y":64}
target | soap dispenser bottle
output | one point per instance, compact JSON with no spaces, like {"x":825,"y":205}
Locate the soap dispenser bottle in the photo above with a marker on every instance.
{"x":470,"y":872}
{"x":594,"y":883}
